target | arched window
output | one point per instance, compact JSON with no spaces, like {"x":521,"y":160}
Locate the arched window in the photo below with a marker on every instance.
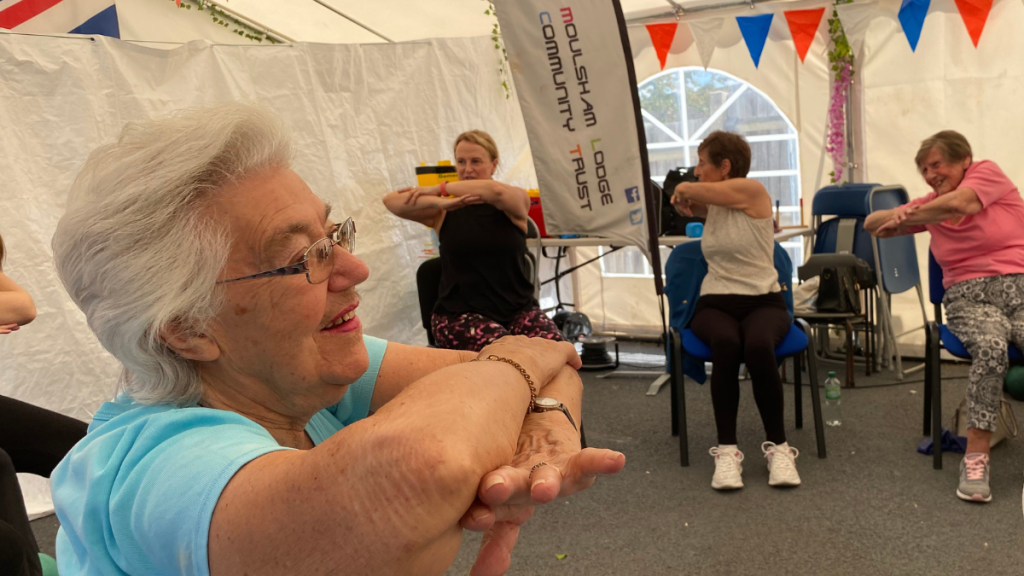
{"x":680,"y":108}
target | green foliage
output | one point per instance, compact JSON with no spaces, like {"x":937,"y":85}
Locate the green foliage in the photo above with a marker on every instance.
{"x":839,"y":51}
{"x":499,"y":46}
{"x":221,"y":18}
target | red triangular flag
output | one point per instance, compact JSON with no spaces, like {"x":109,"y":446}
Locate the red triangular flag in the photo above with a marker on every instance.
{"x":974,"y":13}
{"x":662,"y":36}
{"x":803,"y":25}
{"x":178,"y":2}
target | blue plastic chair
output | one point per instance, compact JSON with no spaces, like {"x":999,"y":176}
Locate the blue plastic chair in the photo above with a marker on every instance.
{"x":797,"y":341}
{"x":937,"y":336}
{"x":895,"y":261}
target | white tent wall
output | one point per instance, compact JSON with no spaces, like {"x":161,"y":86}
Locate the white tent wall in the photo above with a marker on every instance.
{"x":363,"y":116}
{"x":800,"y":90}
{"x":945,"y":84}
{"x":154,"y":21}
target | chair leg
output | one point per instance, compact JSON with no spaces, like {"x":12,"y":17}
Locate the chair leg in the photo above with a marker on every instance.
{"x":672,"y":389}
{"x":680,"y":395}
{"x":928,"y":382}
{"x":849,"y":355}
{"x":933,"y":361}
{"x":812,"y":375}
{"x":798,"y":407}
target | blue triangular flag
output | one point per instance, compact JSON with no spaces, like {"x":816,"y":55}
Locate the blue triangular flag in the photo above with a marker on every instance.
{"x":911,"y":15}
{"x":755,"y":32}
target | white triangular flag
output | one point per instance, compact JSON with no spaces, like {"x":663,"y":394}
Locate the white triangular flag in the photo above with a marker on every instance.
{"x":855,"y":19}
{"x":705,"y":33}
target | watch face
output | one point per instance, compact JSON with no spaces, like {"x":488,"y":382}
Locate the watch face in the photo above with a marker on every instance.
{"x":546,"y":402}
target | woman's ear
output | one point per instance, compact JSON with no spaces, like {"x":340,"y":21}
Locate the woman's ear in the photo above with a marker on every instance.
{"x":726,"y":168}
{"x":197,"y":347}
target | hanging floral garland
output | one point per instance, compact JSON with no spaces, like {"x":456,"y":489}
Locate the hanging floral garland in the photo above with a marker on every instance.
{"x":840,"y":56}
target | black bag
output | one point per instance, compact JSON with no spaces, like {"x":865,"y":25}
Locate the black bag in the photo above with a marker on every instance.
{"x":672,"y":223}
{"x":842,"y":278}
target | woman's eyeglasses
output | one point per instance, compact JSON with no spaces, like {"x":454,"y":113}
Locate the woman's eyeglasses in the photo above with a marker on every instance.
{"x":318,"y":260}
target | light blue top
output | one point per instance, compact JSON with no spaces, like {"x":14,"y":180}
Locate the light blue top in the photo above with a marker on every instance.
{"x":135,"y":497}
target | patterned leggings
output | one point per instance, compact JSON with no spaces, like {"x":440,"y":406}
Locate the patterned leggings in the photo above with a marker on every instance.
{"x":986,"y":314}
{"x":472,"y":331}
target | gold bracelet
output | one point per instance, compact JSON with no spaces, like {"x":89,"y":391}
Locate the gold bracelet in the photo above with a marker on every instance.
{"x":514,"y":364}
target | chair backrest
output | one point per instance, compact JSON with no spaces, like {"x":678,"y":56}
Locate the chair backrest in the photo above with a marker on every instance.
{"x":935,"y":288}
{"x":428,"y":283}
{"x":842,"y":200}
{"x":897,"y":257}
{"x":844,"y":233}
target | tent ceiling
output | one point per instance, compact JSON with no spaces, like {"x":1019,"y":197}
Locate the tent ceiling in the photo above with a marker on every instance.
{"x":397,"y":20}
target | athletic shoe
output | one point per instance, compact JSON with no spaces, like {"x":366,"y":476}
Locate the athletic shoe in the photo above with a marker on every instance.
{"x":974,"y":479}
{"x":728,"y":470}
{"x":781,"y":464}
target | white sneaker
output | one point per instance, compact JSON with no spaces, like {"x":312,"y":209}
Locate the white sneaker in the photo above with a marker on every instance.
{"x":781,"y":464}
{"x":728,"y":470}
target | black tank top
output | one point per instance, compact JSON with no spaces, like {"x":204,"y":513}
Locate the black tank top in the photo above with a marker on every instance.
{"x":483,"y":255}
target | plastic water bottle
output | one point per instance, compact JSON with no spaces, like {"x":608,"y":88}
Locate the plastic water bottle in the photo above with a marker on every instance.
{"x":833,"y":400}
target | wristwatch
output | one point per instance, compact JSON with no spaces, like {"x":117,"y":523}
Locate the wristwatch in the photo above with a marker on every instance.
{"x":541,"y":404}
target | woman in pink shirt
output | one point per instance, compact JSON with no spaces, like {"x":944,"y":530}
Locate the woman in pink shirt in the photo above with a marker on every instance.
{"x":976,"y":218}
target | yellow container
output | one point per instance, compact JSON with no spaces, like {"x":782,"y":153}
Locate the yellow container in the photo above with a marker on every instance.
{"x":433,"y":175}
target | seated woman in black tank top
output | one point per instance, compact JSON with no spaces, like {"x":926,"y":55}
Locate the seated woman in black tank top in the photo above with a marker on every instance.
{"x":485,"y":293}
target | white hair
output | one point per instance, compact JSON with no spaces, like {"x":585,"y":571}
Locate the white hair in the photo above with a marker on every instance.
{"x":133,"y":250}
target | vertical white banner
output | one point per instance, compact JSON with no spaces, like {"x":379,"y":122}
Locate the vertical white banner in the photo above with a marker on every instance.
{"x":573,"y":73}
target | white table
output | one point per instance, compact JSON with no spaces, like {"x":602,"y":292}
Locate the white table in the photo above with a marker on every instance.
{"x":786,"y":234}
{"x":661,"y":377}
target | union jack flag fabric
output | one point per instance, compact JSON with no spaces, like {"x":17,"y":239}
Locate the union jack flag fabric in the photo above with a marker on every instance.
{"x":60,"y":16}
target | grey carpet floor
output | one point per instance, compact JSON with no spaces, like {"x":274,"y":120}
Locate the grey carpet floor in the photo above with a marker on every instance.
{"x":873,"y":506}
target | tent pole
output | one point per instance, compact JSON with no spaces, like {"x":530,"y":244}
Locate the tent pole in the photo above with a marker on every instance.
{"x":352,"y":20}
{"x":680,"y":12}
{"x":270,"y":32}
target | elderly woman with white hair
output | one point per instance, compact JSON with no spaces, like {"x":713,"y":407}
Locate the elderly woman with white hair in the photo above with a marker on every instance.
{"x":257,"y":430}
{"x":975,"y":215}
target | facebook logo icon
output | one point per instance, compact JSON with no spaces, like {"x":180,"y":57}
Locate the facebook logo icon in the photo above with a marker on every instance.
{"x":636,"y":216}
{"x":632,"y":194}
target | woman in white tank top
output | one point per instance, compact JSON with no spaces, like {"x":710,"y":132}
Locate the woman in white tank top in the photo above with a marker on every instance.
{"x":741,"y":314}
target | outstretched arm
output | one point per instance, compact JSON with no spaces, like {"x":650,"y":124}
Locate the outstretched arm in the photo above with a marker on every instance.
{"x":384,"y":495}
{"x":429,"y":211}
{"x":512,"y":200}
{"x":743,"y":194}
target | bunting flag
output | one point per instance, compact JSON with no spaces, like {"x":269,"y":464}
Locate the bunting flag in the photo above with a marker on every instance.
{"x":755,"y":32}
{"x":60,"y":16}
{"x":803,"y":25}
{"x":662,"y":36}
{"x":705,"y":34}
{"x":855,"y":18}
{"x":975,"y":14}
{"x":911,"y":17}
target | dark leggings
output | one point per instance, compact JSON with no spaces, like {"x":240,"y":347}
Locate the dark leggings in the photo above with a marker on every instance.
{"x":472,"y":331}
{"x":32,"y":440}
{"x":744,"y":329}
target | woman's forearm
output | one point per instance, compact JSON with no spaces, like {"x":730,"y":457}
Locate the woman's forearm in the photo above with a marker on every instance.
{"x":16,"y":306}
{"x":955,"y":204}
{"x":876,"y":219}
{"x":509,"y":199}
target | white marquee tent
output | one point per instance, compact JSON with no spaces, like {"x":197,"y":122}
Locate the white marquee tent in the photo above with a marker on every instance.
{"x":372,"y":89}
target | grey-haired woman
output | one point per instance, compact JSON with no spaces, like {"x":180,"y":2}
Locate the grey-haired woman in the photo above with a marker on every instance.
{"x":242,"y":441}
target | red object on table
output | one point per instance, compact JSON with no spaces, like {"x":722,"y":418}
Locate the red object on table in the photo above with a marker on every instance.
{"x":537,"y":215}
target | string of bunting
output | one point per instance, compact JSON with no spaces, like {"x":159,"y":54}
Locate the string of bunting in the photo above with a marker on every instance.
{"x":803,"y":26}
